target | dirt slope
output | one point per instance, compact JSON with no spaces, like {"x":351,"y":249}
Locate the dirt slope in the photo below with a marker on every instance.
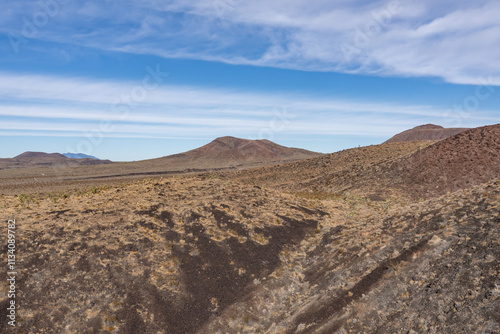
{"x":469,"y":158}
{"x":204,"y":255}
{"x":426,"y":132}
{"x":428,"y":268}
{"x":292,"y":176}
{"x":152,"y":257}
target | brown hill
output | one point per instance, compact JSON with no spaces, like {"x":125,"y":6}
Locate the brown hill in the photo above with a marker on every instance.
{"x":231,"y":152}
{"x":426,"y":132}
{"x":469,"y":158}
{"x":41,"y":159}
{"x":295,"y":176}
{"x":466,"y":159}
{"x":39,"y":156}
{"x":221,"y":153}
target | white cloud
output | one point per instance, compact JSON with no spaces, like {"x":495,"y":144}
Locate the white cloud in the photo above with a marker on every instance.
{"x":73,"y":93}
{"x":455,"y":40}
{"x":50,"y":105}
{"x":458,"y":41}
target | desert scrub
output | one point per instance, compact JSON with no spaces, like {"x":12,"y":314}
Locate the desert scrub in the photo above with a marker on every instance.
{"x":53,"y":197}
{"x":95,"y":190}
{"x":317,"y":195}
{"x":56,"y":197}
{"x":25,"y":200}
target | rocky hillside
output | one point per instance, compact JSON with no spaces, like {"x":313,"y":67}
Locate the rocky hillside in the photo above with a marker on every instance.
{"x":467,"y":159}
{"x":431,"y":267}
{"x":426,"y":132}
{"x":152,"y":257}
{"x":295,"y":176}
{"x":470,"y":158}
{"x":205,"y":255}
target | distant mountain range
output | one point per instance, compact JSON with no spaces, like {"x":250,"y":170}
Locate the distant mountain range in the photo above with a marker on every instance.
{"x":79,"y":156}
{"x":41,"y":159}
{"x":426,"y":132}
{"x":223,"y":152}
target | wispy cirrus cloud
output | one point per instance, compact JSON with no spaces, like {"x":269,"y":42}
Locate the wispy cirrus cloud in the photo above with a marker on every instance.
{"x":457,"y":41}
{"x":53,"y":106}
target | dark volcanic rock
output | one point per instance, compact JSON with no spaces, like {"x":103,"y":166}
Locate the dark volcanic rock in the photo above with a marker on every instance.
{"x":467,"y":159}
{"x":115,"y":262}
{"x":429,"y":268}
{"x":464,"y":160}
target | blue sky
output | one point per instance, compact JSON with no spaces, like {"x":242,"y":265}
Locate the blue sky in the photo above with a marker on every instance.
{"x":140,"y":79}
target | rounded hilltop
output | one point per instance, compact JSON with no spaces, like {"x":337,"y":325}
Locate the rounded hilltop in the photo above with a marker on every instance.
{"x":425,"y":132}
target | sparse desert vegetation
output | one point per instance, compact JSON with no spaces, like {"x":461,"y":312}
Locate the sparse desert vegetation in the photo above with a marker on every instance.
{"x":330,"y":244}
{"x":250,"y":167}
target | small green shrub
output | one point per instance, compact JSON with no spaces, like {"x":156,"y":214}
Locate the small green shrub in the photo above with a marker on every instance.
{"x":26,"y":200}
